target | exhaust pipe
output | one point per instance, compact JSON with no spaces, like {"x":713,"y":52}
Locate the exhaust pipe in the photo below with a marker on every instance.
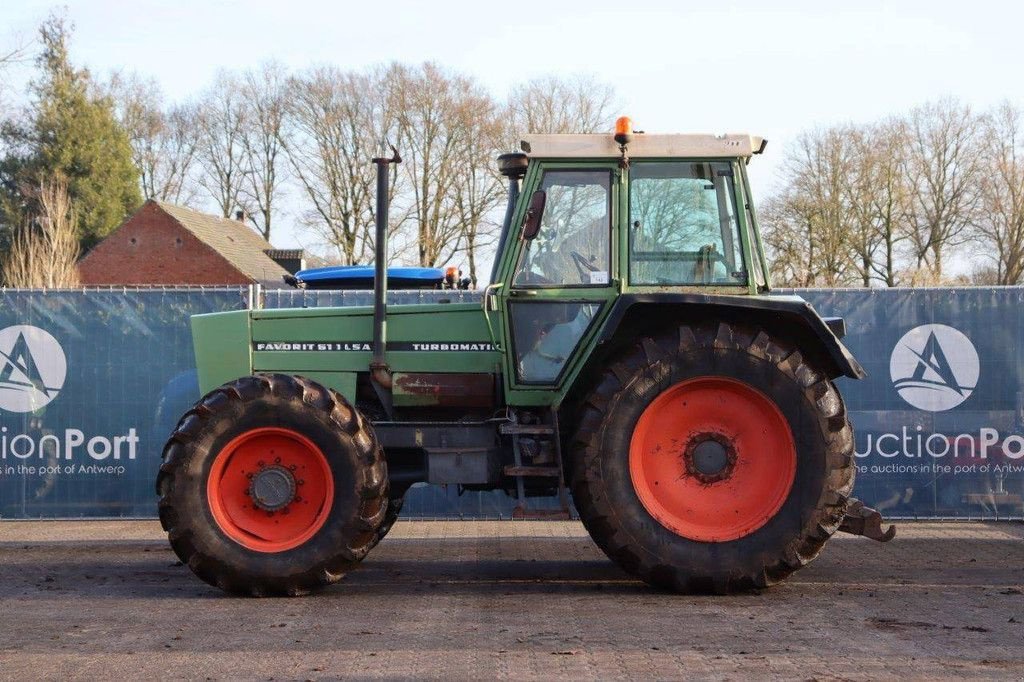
{"x":512,"y":166}
{"x":380,"y":373}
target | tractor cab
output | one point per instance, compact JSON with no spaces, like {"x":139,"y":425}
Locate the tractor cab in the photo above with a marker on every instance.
{"x":600,"y":227}
{"x":654,"y":211}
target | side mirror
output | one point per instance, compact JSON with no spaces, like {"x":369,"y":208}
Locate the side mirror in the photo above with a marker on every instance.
{"x":531,"y":225}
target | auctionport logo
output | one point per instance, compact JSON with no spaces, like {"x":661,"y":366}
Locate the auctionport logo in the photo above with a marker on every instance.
{"x":32,"y":368}
{"x":934,"y":367}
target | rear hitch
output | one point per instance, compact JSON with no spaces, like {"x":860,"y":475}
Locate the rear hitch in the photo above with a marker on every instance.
{"x":863,"y":520}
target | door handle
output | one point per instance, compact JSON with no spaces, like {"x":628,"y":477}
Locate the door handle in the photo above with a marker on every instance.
{"x":522,"y":292}
{"x":487,"y":314}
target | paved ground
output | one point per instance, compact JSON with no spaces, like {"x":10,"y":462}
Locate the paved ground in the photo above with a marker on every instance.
{"x":461,"y":600}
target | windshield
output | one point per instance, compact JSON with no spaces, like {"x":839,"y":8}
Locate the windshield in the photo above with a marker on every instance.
{"x":683,"y":228}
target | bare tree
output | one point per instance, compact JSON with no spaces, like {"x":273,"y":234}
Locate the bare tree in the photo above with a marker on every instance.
{"x":793,"y":237}
{"x":442,"y":118}
{"x":890,"y":195}
{"x":220,"y":151}
{"x":943,"y":166}
{"x":1000,"y":223}
{"x":334,"y":126}
{"x":788,"y":240}
{"x":44,"y":251}
{"x":861,"y":200}
{"x":985,"y":276}
{"x":174,"y":169}
{"x":858,"y":190}
{"x":163,"y":138}
{"x":808,"y":227}
{"x":479,"y":189}
{"x":877,"y":197}
{"x":263,"y":92}
{"x":10,"y":56}
{"x":578,"y":104}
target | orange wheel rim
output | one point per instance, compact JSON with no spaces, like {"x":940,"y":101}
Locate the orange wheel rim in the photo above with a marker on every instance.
{"x":270,"y":489}
{"x":712,"y":459}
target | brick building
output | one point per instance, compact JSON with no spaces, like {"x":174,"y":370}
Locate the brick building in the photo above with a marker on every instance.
{"x":166,"y":244}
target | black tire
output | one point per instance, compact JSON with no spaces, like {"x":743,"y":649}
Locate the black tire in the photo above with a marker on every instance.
{"x":394,"y":508}
{"x":354,"y":457}
{"x":617,"y":520}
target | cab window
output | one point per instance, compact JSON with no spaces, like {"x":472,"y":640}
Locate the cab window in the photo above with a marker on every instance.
{"x":544,"y":336}
{"x":571,"y":248}
{"x":682,"y":225}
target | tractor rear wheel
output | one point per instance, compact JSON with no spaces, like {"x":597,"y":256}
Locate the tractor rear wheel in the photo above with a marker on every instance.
{"x":272,"y":485}
{"x":712,"y":459}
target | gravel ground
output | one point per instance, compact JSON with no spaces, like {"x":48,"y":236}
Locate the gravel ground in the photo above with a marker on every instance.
{"x":457,"y":600}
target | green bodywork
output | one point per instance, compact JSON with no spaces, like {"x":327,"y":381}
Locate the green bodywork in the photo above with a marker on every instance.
{"x":332,"y":345}
{"x":238,"y":343}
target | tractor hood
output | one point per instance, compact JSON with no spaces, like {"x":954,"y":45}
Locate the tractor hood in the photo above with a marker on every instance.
{"x":325,"y":343}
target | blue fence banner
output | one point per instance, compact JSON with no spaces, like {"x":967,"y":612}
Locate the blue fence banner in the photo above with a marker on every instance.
{"x":91,"y":384}
{"x":939,"y":421}
{"x":93,"y":381}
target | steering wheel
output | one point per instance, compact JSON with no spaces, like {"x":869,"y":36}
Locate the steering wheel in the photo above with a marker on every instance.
{"x":584,"y":266}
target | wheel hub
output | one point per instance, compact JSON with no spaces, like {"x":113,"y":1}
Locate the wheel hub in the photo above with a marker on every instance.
{"x":712,"y":459}
{"x":709,"y":457}
{"x":272,"y":488}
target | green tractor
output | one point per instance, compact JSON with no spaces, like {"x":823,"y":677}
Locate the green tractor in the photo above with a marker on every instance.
{"x":626,"y":353}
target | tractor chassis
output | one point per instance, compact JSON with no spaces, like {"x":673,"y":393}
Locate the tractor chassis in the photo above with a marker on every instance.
{"x":522,"y":459}
{"x":489,"y":455}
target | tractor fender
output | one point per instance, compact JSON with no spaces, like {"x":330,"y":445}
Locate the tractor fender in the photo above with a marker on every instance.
{"x":786,"y":316}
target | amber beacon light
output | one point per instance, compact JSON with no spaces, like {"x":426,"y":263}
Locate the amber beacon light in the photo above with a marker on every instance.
{"x":623,"y":129}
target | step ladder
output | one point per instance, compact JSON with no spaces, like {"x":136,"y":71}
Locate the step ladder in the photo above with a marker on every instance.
{"x":520,"y":469}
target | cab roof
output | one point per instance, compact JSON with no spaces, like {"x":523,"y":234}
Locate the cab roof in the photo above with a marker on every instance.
{"x":597,"y":146}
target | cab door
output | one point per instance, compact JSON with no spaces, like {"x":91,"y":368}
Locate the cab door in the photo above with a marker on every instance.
{"x":561,"y":281}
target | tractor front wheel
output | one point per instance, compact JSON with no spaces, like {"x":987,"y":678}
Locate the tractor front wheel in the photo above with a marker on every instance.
{"x":394,"y":503}
{"x":272,"y":484}
{"x":712,"y":459}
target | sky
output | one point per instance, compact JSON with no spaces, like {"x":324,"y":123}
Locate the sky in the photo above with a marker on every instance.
{"x":768,"y":68}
